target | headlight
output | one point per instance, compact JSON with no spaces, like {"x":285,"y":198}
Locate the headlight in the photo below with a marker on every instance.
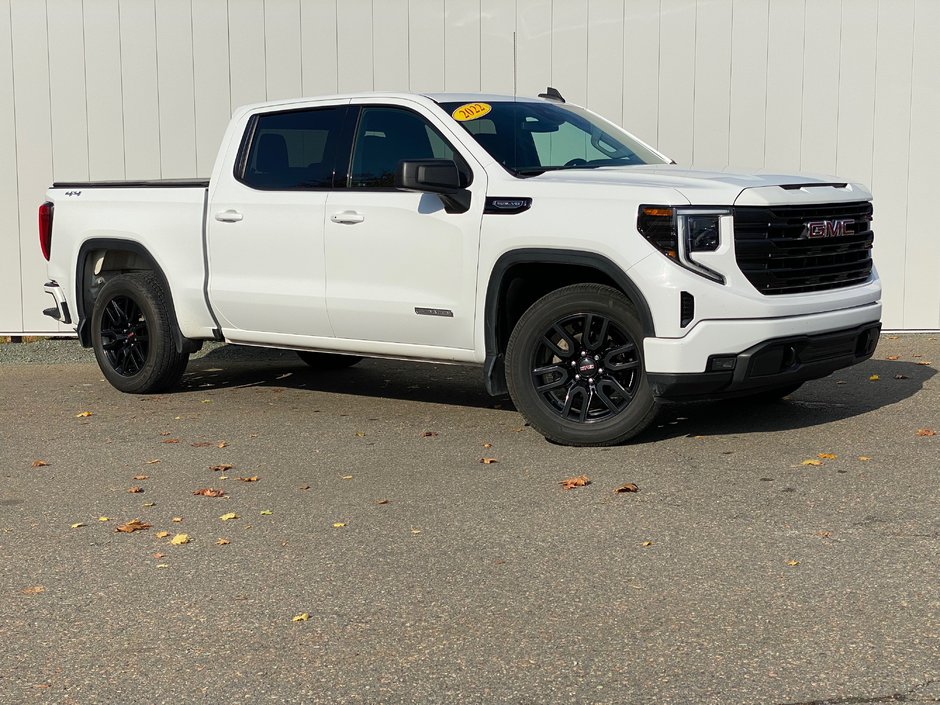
{"x":681,"y":232}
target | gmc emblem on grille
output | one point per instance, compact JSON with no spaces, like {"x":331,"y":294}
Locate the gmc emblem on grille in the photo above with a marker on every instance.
{"x":829,"y":228}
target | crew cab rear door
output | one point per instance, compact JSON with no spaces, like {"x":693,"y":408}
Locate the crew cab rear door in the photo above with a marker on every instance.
{"x":400,"y":268}
{"x":265,"y":225}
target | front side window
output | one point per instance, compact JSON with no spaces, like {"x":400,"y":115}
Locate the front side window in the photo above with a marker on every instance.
{"x":385,"y":136}
{"x":529,"y":138}
{"x":294,"y":150}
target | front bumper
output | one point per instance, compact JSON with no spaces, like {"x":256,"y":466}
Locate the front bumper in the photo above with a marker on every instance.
{"x":772,"y":363}
{"x":60,"y":311}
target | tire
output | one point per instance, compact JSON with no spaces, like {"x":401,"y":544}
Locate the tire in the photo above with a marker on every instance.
{"x":768,"y":396}
{"x":588,"y":330}
{"x":327,"y":361}
{"x":132,"y":335}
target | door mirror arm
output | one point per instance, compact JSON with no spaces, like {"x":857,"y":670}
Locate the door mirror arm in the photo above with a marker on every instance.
{"x":438,"y":176}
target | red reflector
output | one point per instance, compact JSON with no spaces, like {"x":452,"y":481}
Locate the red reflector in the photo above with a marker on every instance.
{"x":45,"y":228}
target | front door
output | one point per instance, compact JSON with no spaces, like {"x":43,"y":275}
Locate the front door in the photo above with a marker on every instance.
{"x":401,"y":269}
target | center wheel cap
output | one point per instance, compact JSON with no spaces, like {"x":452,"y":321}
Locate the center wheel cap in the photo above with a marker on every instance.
{"x":587,"y":366}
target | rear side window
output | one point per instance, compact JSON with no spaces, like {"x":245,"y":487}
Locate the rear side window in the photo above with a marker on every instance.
{"x":294,"y":150}
{"x":385,"y":136}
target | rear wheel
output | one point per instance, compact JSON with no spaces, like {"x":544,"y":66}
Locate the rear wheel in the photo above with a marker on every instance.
{"x":327,"y":361}
{"x":132,"y":335}
{"x":574,"y":367}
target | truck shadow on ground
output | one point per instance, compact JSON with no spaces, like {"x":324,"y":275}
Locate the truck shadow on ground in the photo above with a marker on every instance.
{"x":842,"y":395}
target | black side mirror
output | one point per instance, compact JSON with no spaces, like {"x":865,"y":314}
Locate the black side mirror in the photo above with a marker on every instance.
{"x":438,"y":176}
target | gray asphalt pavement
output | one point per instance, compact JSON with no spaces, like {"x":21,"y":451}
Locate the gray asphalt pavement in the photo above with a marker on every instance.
{"x":737,"y":574}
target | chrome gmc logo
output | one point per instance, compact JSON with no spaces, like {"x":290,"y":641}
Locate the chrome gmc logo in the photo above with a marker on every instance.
{"x":829,"y":228}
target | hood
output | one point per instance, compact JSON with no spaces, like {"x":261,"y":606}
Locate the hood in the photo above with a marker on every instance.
{"x":722,"y":188}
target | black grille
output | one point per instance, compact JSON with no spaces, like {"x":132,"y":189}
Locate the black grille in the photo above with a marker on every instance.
{"x":776,"y":255}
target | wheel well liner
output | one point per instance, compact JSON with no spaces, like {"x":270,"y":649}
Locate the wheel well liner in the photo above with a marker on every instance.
{"x":502,"y":303}
{"x":135,"y":248}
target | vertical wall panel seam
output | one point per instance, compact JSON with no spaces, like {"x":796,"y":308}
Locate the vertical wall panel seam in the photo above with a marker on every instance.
{"x":85,"y":76}
{"x":730,"y":83}
{"x":839,"y":84}
{"x":123,"y":111}
{"x":802,"y":82}
{"x":264,"y":44}
{"x":228,"y":48}
{"x":192,"y":57}
{"x":49,"y":79}
{"x":694,"y":81}
{"x":300,"y":30}
{"x":910,"y":141}
{"x":16,"y":169}
{"x":766,"y":90}
{"x":156,"y":58}
{"x":336,"y":35}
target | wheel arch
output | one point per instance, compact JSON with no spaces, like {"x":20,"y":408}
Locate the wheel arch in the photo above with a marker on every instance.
{"x":120,"y":256}
{"x":520,"y":277}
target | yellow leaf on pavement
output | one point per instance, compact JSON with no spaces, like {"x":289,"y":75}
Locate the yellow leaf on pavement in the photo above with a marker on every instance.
{"x":103,"y":518}
{"x":266,"y":512}
{"x":793,"y":563}
{"x":302,"y":617}
{"x":77,"y":525}
{"x":222,"y":542}
{"x":162,"y":534}
{"x":826,"y":456}
{"x":812,"y":461}
{"x":83,"y":414}
{"x":180,"y":539}
{"x":874,"y":378}
{"x":339,"y":524}
{"x":229,"y":516}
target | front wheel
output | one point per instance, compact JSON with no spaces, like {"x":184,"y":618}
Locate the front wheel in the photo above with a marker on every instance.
{"x":132,"y":335}
{"x":574,"y":367}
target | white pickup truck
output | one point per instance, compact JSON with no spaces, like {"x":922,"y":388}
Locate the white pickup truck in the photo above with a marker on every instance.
{"x":586,"y":273}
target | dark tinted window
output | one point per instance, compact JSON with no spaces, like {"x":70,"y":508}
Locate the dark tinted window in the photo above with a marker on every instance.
{"x":294,"y":150}
{"x":385,"y":136}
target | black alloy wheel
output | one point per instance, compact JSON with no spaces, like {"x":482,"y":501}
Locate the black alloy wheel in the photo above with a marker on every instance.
{"x":125,"y":337}
{"x":586,"y":368}
{"x":574,"y":367}
{"x":132,"y":333}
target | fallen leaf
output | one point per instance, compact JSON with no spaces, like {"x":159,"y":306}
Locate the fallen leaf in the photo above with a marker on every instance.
{"x":162,"y":565}
{"x":222,"y":542}
{"x":170,"y":440}
{"x":253,"y":478}
{"x":841,"y":382}
{"x":177,"y":520}
{"x":416,"y":531}
{"x":302,"y":617}
{"x":135,"y":489}
{"x":360,"y":434}
{"x":141,"y":477}
{"x":221,"y":444}
{"x":827,"y":456}
{"x":429,"y":434}
{"x":83,"y":414}
{"x":150,"y":504}
{"x":487,"y":445}
{"x":77,"y":525}
{"x":209,"y":492}
{"x":792,"y":563}
{"x":488,"y":461}
{"x":206,"y":401}
{"x":346,"y":477}
{"x":223,"y":477}
{"x":229,"y":516}
{"x":339,"y":524}
{"x":894,"y":337}
{"x":266,"y":512}
{"x":159,"y":555}
{"x":824,"y":534}
{"x":572,"y":482}
{"x":874,"y":378}
{"x":221,"y":468}
{"x":164,"y":433}
{"x":162,"y":534}
{"x":901,"y":377}
{"x":35,"y":590}
{"x":382,"y":501}
{"x":179,"y":539}
{"x":811,"y":462}
{"x":131,"y":526}
{"x":304,"y":487}
{"x":40,"y":464}
{"x":647,"y":543}
{"x":201,"y":444}
{"x":104,"y":519}
{"x":629,"y":487}
{"x":925,"y":363}
{"x":864,"y":458}
{"x":893,"y":357}
{"x":926,"y":432}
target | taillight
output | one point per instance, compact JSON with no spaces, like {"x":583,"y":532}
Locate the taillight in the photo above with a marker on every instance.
{"x":45,"y":228}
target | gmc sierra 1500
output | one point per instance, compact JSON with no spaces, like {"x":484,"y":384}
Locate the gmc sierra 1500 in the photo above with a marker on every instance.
{"x":587,"y":274}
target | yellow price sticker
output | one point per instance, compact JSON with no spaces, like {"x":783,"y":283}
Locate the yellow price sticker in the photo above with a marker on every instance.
{"x":471,"y":111}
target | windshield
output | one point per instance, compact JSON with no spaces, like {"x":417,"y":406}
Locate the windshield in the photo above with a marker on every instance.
{"x":529,"y":138}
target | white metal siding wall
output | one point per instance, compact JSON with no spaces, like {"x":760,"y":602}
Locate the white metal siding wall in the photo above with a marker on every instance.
{"x":113,"y":89}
